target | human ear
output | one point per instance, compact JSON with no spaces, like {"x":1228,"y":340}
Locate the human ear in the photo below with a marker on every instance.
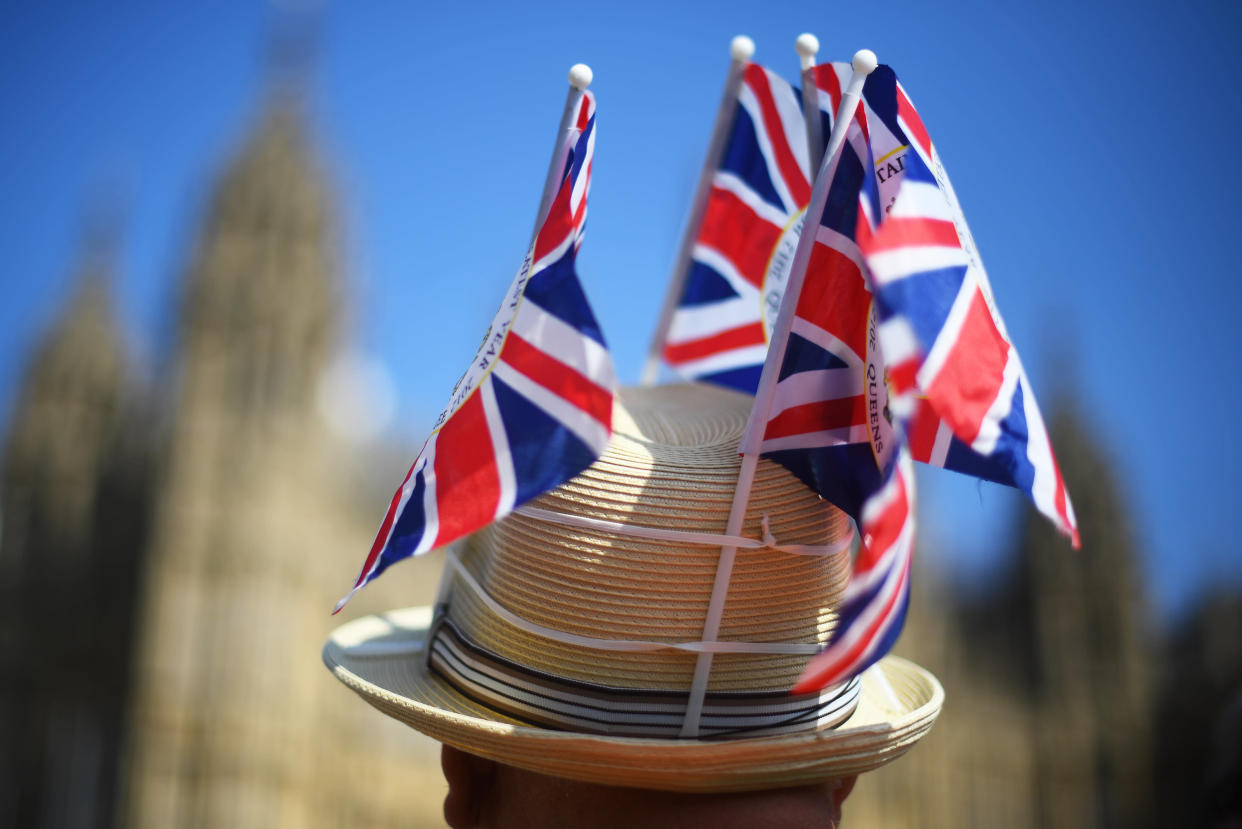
{"x":470,"y":782}
{"x":840,"y":791}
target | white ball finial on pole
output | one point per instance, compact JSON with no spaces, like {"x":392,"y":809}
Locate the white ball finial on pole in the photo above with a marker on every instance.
{"x":864,"y":62}
{"x":580,"y":76}
{"x":807,"y":47}
{"x":741,"y":48}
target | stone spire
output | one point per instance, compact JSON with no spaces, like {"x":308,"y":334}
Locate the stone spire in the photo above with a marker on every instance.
{"x":225,"y":704}
{"x":263,"y":290}
{"x":69,"y":411}
{"x":1047,"y":674}
{"x":72,"y":497}
{"x":257,"y":526}
{"x":1091,"y":643}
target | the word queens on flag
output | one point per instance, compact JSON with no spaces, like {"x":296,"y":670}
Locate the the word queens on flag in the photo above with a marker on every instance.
{"x":533,"y":409}
{"x":830,"y":422}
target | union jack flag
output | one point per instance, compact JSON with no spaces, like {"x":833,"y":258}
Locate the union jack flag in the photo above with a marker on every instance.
{"x":958,"y":389}
{"x":745,"y":243}
{"x":535,"y":406}
{"x":931,"y":440}
{"x":940,"y":329}
{"x":873,"y":609}
{"x":832,"y":424}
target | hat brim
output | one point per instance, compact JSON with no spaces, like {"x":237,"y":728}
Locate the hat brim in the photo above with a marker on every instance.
{"x":381,"y":659}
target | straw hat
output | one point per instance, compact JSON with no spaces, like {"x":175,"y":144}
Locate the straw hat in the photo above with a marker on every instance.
{"x":566,"y":637}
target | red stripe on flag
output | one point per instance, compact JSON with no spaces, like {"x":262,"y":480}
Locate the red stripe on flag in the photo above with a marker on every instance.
{"x":467,"y":482}
{"x":913,"y":123}
{"x":862,"y":227}
{"x":819,"y":416}
{"x":558,"y":223}
{"x":880,"y":534}
{"x":1062,"y":502}
{"x":794,"y":176}
{"x":898,"y":232}
{"x":830,"y":667}
{"x":381,"y":537}
{"x":922,"y":431}
{"x":562,"y":380}
{"x":967,"y":384}
{"x":740,"y":337}
{"x":826,"y":80}
{"x":580,"y":214}
{"x":740,"y":234}
{"x":860,"y":116}
{"x":904,"y":376}
{"x":835,"y":298}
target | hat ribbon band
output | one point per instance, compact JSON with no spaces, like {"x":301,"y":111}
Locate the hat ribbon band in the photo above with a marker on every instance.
{"x":684,"y":537}
{"x":631,"y":645}
{"x":551,"y":701}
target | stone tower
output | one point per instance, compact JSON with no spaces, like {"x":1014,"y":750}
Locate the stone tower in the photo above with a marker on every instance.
{"x":1092,"y":648}
{"x":255,"y":532}
{"x":222,"y":586}
{"x":73,"y":499}
{"x":1047,"y":717}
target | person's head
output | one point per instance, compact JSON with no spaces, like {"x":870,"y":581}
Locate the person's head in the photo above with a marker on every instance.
{"x":572,"y":644}
{"x":484,"y":794}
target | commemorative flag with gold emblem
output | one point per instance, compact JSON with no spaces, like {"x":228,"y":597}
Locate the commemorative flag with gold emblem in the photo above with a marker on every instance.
{"x":745,"y":242}
{"x":823,"y":410}
{"x":951,"y":381}
{"x":951,"y":364}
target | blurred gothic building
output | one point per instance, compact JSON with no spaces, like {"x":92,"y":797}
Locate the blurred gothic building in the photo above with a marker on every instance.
{"x":170,"y":549}
{"x":1065,"y":707}
{"x":1049,"y":679}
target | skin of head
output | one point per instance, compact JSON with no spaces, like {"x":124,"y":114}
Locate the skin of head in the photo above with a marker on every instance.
{"x":484,"y":794}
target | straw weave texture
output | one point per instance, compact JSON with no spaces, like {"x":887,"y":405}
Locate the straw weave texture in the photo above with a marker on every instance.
{"x":672,"y":464}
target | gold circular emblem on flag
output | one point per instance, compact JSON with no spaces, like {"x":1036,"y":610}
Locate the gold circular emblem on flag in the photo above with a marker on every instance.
{"x":776,"y":274}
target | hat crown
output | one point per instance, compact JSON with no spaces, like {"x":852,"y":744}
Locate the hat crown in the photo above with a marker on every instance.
{"x":541,"y":699}
{"x":672,"y":465}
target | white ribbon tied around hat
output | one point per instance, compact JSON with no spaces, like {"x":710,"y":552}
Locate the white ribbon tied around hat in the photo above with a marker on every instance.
{"x":389,"y":648}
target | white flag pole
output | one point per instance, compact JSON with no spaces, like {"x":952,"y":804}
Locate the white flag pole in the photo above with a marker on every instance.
{"x":807,"y":47}
{"x":864,"y":64}
{"x":740,"y":50}
{"x":580,"y":77}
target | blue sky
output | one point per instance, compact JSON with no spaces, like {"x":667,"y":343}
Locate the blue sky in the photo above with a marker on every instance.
{"x":1087,"y":143}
